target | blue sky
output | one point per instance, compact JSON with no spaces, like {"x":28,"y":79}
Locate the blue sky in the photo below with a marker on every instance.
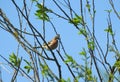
{"x":73,"y":42}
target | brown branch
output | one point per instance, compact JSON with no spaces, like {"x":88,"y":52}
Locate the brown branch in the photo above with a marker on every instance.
{"x":112,"y":5}
{"x":66,"y":64}
{"x":16,"y":68}
{"x":16,"y":72}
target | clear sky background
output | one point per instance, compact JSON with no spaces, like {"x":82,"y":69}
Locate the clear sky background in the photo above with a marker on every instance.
{"x":73,"y":42}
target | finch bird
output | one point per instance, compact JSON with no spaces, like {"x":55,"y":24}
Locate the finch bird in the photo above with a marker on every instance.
{"x":52,"y":44}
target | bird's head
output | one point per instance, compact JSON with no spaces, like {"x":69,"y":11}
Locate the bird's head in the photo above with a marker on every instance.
{"x":57,"y":36}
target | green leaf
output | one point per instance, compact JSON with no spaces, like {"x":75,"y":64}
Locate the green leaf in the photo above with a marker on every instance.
{"x":89,"y":75}
{"x":28,"y":63}
{"x":28,"y":67}
{"x":14,"y":59}
{"x":83,"y":52}
{"x":109,"y":11}
{"x":88,"y":6}
{"x":83,"y":32}
{"x":45,"y":70}
{"x":94,"y":11}
{"x":111,"y":76}
{"x":77,"y":20}
{"x":109,"y":30}
{"x":42,"y":16}
{"x":62,"y":80}
{"x":68,"y":80}
{"x":69,"y":59}
{"x":117,"y":65}
{"x":89,"y":72}
{"x":91,"y":45}
{"x":45,"y":67}
{"x":42,"y":11}
{"x":34,"y":0}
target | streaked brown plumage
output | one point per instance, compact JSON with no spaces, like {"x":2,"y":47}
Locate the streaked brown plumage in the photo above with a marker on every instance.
{"x":52,"y":44}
